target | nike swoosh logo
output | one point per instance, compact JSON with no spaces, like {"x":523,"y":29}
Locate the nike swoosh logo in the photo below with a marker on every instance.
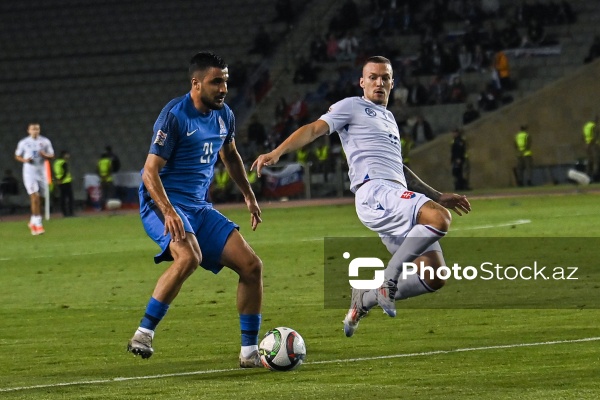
{"x":192,"y":132}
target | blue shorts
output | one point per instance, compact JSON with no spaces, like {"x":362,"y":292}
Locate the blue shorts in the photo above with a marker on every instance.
{"x":212,"y":229}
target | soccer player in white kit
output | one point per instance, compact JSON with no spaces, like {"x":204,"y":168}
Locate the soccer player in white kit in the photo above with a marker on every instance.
{"x":32,"y":152}
{"x":409,"y":216}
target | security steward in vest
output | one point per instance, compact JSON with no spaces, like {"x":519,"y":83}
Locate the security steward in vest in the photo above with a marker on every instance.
{"x":105,"y":172}
{"x":524,"y":157}
{"x":63,"y":179}
{"x":592,"y":148}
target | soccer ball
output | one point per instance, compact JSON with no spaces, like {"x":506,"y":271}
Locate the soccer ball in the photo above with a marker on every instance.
{"x":282,"y":349}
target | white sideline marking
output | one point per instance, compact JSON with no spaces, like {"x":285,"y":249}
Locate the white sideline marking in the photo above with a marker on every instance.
{"x":510,"y":223}
{"x":216,"y":371}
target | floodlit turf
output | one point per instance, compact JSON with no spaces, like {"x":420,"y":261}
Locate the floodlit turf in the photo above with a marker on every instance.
{"x":71,"y":299}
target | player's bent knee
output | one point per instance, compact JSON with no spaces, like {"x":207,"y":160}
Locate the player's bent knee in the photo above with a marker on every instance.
{"x":440,"y":219}
{"x":252,"y":268}
{"x":189,"y":260}
{"x":445,"y":219}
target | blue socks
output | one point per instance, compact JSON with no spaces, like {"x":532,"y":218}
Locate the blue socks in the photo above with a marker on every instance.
{"x":250,"y":325}
{"x":155,"y":311}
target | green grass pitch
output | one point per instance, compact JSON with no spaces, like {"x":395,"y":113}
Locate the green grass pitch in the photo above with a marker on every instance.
{"x":71,"y":299}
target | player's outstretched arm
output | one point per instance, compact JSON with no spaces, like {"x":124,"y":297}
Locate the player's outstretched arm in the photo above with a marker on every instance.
{"x":300,"y":138}
{"x":452,"y":201}
{"x":235,"y":168}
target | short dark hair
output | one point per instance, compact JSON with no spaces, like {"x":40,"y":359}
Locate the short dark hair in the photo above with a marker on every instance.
{"x":204,"y":60}
{"x":377,"y":60}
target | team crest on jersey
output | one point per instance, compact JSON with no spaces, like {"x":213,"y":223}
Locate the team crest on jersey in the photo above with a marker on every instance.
{"x":407,"y":195}
{"x":222,"y":128}
{"x":161,"y":137}
{"x":370,"y":112}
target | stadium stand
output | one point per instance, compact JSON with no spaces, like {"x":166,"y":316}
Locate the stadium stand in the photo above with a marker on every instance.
{"x":97,"y":72}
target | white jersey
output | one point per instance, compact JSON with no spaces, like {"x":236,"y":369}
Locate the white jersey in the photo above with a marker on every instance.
{"x":33,"y":172}
{"x":31,"y":148}
{"x":370,"y":138}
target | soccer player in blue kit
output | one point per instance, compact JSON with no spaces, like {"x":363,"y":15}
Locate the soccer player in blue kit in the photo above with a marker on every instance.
{"x":177,"y":214}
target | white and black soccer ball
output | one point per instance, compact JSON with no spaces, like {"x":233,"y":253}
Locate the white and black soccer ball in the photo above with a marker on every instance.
{"x":282,"y":349}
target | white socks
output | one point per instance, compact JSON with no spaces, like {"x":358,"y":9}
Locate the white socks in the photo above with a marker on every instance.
{"x":418,"y":239}
{"x":247,"y":350}
{"x":146,"y":330}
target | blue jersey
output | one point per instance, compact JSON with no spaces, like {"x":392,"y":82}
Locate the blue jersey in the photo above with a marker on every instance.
{"x":189,"y":141}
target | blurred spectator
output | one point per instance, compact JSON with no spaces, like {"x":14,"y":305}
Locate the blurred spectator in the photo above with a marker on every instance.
{"x":421,"y":131}
{"x":298,"y":110}
{"x":116,"y":163}
{"x":592,"y":143}
{"x":501,"y":72}
{"x":465,"y":59}
{"x":348,"y":47}
{"x":262,"y":42}
{"x":400,"y":94}
{"x":439,"y":61}
{"x":318,"y":49}
{"x":480,"y":60}
{"x":488,"y":98}
{"x":220,"y":188}
{"x":332,"y":47}
{"x":281,"y":109}
{"x":417,"y":93}
{"x":470,"y":114}
{"x":458,"y":160}
{"x":257,"y":135}
{"x":524,"y":157}
{"x":262,"y":85}
{"x":64,"y":179}
{"x":458,"y":91}
{"x":438,"y":92}
{"x":105,"y":171}
{"x":422,"y":64}
{"x":594,"y":51}
{"x":322,"y":156}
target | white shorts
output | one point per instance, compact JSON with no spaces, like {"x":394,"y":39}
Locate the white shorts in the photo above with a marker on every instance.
{"x":34,"y":181}
{"x":389,"y":209}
